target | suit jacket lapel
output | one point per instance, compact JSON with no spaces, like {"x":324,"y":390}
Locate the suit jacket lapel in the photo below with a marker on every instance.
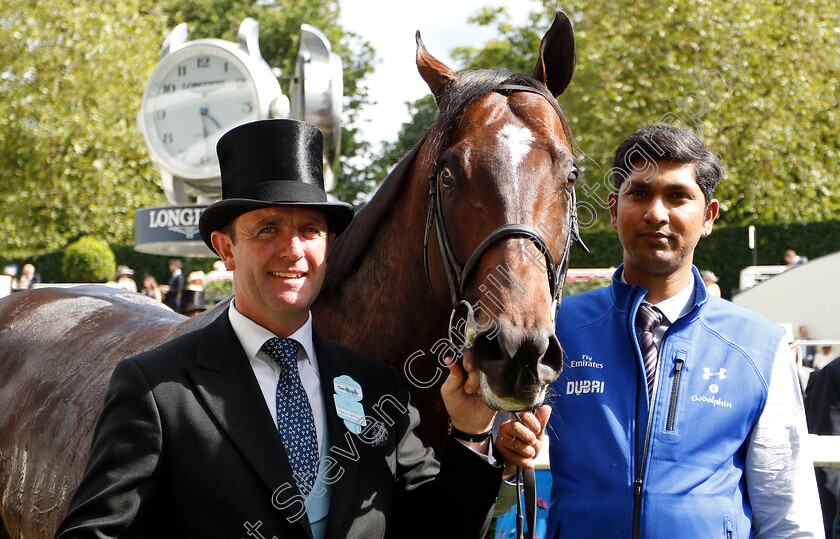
{"x":225,"y":381}
{"x":331,"y":365}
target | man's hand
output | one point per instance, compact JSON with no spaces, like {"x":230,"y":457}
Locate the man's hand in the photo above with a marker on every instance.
{"x":464,"y":403}
{"x":520,"y":441}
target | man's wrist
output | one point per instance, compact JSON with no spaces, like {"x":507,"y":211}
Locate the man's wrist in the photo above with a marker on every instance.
{"x":469,"y":437}
{"x":482,"y":448}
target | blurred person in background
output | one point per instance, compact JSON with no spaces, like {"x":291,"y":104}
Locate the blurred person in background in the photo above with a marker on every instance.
{"x":125,"y":279}
{"x":28,"y":277}
{"x":151,"y":288}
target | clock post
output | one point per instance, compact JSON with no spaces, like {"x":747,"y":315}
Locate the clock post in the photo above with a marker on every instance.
{"x":200,"y":90}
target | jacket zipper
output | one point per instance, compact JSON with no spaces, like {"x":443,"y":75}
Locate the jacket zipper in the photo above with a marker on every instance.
{"x":638,"y":482}
{"x":675,"y":392}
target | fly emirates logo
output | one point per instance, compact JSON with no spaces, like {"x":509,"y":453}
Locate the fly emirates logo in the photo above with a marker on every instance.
{"x":583,"y":387}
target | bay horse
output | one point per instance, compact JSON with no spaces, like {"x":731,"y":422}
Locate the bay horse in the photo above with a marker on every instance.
{"x":492,"y":182}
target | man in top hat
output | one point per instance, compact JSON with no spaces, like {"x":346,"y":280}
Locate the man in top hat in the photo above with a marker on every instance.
{"x":193,"y":302}
{"x":256,"y":426}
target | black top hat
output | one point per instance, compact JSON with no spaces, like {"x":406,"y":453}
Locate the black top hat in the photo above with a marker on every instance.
{"x":191,"y":301}
{"x":271,"y":163}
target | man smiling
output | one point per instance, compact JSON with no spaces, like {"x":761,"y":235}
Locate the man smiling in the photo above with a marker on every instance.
{"x":255,"y":424}
{"x":680,"y":414}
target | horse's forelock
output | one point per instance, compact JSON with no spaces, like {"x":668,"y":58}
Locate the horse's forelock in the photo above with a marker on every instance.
{"x":473,"y":86}
{"x":350,"y":245}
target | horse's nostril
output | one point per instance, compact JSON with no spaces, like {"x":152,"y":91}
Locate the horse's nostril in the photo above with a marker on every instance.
{"x":513,"y":350}
{"x":518,"y":365}
{"x":553,"y":357}
{"x":487,"y":353}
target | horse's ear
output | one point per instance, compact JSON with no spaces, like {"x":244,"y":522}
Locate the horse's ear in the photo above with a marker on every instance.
{"x":436,"y":74}
{"x":556,"y":62}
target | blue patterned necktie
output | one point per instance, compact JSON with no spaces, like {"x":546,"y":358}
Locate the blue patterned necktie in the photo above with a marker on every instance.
{"x":647,"y":319}
{"x":295,"y":420}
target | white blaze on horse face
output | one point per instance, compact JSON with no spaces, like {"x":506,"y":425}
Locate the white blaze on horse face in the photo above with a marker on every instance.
{"x":517,"y":140}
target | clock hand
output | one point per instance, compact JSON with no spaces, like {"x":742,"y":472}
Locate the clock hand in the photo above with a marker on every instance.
{"x":203,"y":112}
{"x":218,"y":125}
{"x":204,"y":125}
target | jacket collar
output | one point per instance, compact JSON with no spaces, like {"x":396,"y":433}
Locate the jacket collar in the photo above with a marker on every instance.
{"x":224,"y":380}
{"x":627,"y":298}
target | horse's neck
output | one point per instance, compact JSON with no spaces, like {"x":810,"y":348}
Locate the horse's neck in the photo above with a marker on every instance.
{"x":384,"y":307}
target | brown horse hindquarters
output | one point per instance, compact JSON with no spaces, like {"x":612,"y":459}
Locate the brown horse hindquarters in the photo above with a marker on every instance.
{"x":58,"y":347}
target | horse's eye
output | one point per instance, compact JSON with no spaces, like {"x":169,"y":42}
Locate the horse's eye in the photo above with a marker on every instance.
{"x":573,"y":175}
{"x":446,"y":177}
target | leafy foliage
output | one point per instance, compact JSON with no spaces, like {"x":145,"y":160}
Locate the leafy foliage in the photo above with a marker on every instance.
{"x":423,"y":112}
{"x":72,"y":77}
{"x":217,"y":291}
{"x":757,"y":80}
{"x":71,"y":158}
{"x":89,"y":260}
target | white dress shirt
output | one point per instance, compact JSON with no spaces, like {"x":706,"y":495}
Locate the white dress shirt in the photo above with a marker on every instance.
{"x":252,"y":336}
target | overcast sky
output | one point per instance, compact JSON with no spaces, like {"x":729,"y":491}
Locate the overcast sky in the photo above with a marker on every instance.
{"x":389,"y":25}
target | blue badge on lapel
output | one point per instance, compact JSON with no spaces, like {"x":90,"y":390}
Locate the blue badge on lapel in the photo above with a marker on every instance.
{"x":348,"y":405}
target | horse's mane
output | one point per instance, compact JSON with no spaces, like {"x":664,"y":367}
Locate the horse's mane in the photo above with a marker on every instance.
{"x":344,"y":254}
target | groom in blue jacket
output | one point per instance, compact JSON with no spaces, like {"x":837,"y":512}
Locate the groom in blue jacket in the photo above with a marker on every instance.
{"x":677,"y":414}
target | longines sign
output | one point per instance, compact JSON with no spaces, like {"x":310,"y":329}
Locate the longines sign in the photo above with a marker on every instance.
{"x":169,"y":230}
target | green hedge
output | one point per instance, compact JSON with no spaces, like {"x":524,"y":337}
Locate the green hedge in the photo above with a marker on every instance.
{"x":726,"y":252}
{"x":89,"y":260}
{"x":49,"y":265}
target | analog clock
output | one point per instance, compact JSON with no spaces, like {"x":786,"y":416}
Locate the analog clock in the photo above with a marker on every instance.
{"x":192,"y":99}
{"x":200,"y":90}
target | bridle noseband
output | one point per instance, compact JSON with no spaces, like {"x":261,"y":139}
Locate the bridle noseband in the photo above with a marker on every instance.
{"x":458,"y":276}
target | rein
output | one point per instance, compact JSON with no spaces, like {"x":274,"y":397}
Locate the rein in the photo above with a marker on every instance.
{"x":457,"y":277}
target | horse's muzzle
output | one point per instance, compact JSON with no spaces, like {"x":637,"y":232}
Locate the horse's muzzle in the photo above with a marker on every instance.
{"x":516,"y":366}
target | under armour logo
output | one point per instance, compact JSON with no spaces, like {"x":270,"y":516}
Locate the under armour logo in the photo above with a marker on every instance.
{"x":708,"y":373}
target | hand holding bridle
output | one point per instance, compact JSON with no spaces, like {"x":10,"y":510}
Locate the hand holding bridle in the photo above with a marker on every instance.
{"x":521,"y":438}
{"x":461,"y":395}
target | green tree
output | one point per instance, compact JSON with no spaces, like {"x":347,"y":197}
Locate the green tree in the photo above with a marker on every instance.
{"x":757,"y":80}
{"x":72,"y":161}
{"x":423,"y":112}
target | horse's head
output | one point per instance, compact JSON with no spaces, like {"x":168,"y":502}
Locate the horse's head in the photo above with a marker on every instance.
{"x":501,"y":216}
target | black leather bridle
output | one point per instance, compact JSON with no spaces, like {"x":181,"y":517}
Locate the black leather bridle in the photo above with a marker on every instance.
{"x":458,"y":276}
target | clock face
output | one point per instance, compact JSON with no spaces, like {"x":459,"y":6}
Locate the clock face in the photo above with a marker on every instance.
{"x":195,"y":96}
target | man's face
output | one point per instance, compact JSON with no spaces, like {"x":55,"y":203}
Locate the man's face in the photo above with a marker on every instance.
{"x":278,"y":263}
{"x":660,"y":217}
